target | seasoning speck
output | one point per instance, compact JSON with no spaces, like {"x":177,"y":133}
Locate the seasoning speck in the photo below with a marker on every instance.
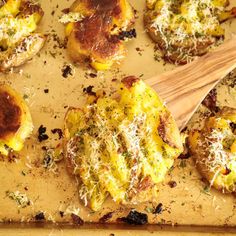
{"x":40,"y":216}
{"x":66,"y":71}
{"x":172,"y":184}
{"x":42,"y":133}
{"x":158,"y":209}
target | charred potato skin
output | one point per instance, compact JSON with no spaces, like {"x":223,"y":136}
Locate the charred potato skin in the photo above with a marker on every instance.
{"x":95,"y":38}
{"x":15,"y":120}
{"x":165,"y":132}
{"x":224,"y":121}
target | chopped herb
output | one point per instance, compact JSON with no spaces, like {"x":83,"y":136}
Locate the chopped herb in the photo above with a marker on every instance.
{"x":149,"y":209}
{"x":182,"y":164}
{"x":206,"y":190}
{"x":20,"y":198}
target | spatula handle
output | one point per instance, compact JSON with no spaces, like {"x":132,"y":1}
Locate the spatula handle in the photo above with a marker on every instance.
{"x":184,"y":88}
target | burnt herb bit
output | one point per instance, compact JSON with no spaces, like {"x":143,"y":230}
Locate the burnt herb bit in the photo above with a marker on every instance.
{"x":89,"y":90}
{"x":61,"y":213}
{"x":172,"y":184}
{"x":40,"y":216}
{"x":127,"y":34}
{"x":42,"y":133}
{"x":106,"y":217}
{"x":57,"y":131}
{"x":158,"y":209}
{"x":66,"y":71}
{"x":135,"y":218}
{"x":76,"y":219}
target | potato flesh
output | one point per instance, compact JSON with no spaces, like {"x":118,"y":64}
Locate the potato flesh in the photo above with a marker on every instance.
{"x":120,"y":142}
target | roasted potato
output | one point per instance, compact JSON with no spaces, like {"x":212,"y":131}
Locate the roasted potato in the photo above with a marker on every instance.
{"x":94,"y":31}
{"x":214,"y":149}
{"x":18,"y":42}
{"x":15,"y":121}
{"x":121,"y":147}
{"x":186,"y":29}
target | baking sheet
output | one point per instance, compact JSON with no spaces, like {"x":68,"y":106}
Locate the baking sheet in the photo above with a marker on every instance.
{"x":191,"y":202}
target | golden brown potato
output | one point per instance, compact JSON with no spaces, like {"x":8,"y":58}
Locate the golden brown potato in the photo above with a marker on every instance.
{"x":121,"y":147}
{"x":186,"y":29}
{"x":22,"y":52}
{"x":96,"y":30}
{"x":15,"y":121}
{"x":18,"y":42}
{"x":214,"y":149}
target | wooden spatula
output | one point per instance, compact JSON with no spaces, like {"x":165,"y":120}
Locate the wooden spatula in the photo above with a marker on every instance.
{"x":184,"y":88}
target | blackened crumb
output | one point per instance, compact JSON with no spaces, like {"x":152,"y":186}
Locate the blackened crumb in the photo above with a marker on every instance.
{"x":53,"y":12}
{"x":158,"y":209}
{"x":135,"y":218}
{"x":89,"y":90}
{"x":127,"y":34}
{"x":61,"y":213}
{"x":112,"y":234}
{"x":106,"y":217}
{"x":42,"y":133}
{"x":46,"y":90}
{"x":66,"y":71}
{"x":76,"y":219}
{"x":57,"y":131}
{"x":26,"y":188}
{"x":172,"y":184}
{"x":40,"y":216}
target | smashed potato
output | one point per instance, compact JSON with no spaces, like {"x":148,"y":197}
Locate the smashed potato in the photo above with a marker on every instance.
{"x":15,"y":121}
{"x":18,"y":42}
{"x":214,"y":149}
{"x":122,"y":147}
{"x":96,"y":29}
{"x":185,"y":29}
